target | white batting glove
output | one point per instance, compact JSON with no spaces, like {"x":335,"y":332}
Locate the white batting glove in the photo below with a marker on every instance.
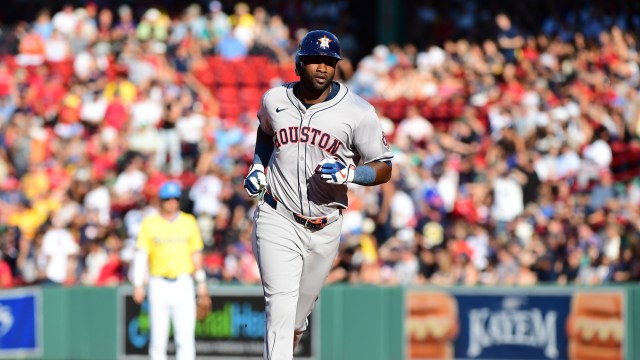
{"x":256,"y":181}
{"x":333,"y":171}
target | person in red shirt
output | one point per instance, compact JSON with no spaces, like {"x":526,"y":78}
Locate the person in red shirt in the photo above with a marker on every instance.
{"x":116,"y":114}
{"x":6,"y":278}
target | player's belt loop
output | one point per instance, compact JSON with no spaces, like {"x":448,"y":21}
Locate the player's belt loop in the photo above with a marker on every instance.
{"x":270,"y":200}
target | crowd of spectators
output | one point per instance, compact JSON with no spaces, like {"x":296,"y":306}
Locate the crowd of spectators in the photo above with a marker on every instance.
{"x":504,"y":148}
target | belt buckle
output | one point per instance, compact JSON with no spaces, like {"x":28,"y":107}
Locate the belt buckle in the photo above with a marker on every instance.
{"x":314,"y":223}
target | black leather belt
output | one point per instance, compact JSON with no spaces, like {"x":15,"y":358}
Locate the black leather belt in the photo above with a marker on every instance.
{"x":308,"y":223}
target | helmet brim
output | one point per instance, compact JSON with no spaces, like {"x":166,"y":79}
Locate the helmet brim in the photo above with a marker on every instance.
{"x":316,"y":52}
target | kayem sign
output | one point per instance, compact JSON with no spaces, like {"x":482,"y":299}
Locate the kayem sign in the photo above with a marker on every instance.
{"x":234,"y":329}
{"x":503,"y":324}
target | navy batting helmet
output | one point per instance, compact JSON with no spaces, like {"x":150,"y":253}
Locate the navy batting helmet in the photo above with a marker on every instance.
{"x":317,"y":42}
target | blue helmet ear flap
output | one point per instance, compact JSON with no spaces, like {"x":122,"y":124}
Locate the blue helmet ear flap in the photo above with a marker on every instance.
{"x":299,"y":65}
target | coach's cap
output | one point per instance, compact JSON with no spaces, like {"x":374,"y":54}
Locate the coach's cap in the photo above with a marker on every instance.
{"x":169,"y":190}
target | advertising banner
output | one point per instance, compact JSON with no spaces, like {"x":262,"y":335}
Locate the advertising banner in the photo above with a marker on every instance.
{"x":20,"y":323}
{"x":528,"y":324}
{"x":234,"y":329}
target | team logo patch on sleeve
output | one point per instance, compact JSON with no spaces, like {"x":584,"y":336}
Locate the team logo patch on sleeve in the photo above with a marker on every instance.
{"x":384,"y":141}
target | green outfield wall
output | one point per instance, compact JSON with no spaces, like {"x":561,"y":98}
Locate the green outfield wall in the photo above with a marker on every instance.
{"x":350,"y":322}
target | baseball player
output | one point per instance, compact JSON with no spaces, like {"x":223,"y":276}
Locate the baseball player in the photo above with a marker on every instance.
{"x":314,"y":138}
{"x":169,"y":246}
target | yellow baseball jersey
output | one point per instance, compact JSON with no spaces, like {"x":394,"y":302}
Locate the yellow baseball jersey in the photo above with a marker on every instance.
{"x":170,"y":244}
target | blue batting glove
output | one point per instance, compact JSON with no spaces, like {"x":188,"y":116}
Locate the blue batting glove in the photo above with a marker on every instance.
{"x":333,"y":171}
{"x":256,"y":181}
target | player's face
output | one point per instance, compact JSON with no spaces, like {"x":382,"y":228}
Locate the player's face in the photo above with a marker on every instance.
{"x":318,"y":72}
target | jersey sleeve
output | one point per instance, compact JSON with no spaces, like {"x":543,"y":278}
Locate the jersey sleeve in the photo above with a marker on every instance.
{"x":195,"y":240}
{"x":369,"y":139}
{"x":143,"y":242}
{"x":263,"y":116}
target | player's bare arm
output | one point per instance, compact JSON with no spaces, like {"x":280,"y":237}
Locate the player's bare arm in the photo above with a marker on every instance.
{"x":382,"y":171}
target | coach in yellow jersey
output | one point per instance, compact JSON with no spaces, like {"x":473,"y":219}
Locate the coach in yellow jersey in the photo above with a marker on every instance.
{"x":169,"y":246}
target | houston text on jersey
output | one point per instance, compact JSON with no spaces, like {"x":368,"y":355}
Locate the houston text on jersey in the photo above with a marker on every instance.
{"x":309,"y":135}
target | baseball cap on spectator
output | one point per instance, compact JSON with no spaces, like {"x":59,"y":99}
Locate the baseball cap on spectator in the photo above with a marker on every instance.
{"x":433,"y":234}
{"x":169,"y":190}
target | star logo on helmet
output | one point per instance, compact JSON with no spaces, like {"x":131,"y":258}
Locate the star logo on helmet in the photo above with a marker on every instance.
{"x":324,"y":42}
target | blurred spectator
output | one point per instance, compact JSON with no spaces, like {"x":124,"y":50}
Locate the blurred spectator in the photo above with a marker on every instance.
{"x":94,"y":261}
{"x":509,"y":38}
{"x":65,"y":20}
{"x":243,"y":24}
{"x":59,"y":251}
{"x":413,"y":131}
{"x":154,"y":26}
{"x":169,"y":141}
{"x":43,"y":25}
{"x":231,"y":47}
{"x":219,"y":22}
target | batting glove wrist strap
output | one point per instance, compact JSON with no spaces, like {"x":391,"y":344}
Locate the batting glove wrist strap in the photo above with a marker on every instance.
{"x":333,"y":171}
{"x":256,"y":181}
{"x":200,"y":276}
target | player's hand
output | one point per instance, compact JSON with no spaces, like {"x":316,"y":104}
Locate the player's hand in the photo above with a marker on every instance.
{"x":256,"y":181}
{"x":203,"y":306}
{"x":138,"y":294}
{"x":333,"y":171}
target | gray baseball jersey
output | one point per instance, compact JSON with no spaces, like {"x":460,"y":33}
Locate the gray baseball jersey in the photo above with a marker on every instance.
{"x":345,"y":127}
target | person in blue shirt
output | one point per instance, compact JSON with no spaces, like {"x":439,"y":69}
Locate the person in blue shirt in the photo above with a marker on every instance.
{"x":510,"y":40}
